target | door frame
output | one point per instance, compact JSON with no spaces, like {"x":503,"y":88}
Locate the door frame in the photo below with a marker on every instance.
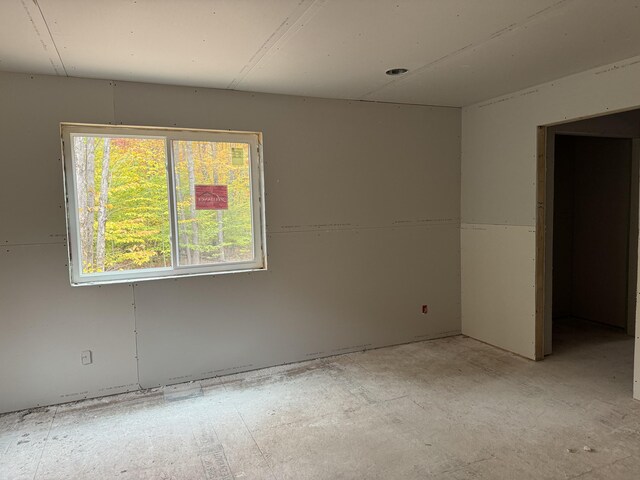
{"x":541,"y":245}
{"x":544,"y":238}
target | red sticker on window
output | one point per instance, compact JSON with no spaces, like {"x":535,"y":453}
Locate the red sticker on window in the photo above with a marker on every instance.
{"x":212,"y":197}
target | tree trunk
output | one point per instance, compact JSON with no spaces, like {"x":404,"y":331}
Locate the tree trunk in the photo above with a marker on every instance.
{"x":85,"y":171}
{"x":80,"y":150}
{"x":102,"y":206}
{"x":220,"y":224}
{"x":182,"y":228}
{"x":213,"y":150}
{"x":91,"y":195}
{"x":192,"y":191}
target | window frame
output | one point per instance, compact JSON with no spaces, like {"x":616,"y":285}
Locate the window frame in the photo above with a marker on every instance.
{"x":175,"y":270}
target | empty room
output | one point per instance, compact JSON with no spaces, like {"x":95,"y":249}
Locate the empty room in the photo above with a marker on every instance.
{"x":319,"y":239}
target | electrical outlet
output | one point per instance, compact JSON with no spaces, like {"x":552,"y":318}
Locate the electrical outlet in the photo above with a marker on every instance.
{"x":86,"y":357}
{"x":425,"y":309}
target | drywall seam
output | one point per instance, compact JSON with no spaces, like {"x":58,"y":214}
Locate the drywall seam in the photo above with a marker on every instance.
{"x":348,"y":227}
{"x":306,"y":10}
{"x":35,"y":244}
{"x":382,"y":241}
{"x":43,"y":37}
{"x":613,"y":68}
{"x":479,"y":225}
{"x":497,"y":34}
{"x":135,"y":329}
{"x":53,"y":42}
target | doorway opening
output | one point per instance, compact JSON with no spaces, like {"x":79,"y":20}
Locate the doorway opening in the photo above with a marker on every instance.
{"x":587,"y":248}
{"x":592,"y":254}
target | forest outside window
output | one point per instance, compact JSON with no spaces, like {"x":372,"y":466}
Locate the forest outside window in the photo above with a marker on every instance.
{"x":145,"y":203}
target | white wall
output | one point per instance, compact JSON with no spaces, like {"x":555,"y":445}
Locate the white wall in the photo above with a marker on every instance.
{"x":499,"y":195}
{"x":363,"y":205}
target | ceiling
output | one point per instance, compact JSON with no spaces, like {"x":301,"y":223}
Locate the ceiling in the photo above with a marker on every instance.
{"x":458,"y":52}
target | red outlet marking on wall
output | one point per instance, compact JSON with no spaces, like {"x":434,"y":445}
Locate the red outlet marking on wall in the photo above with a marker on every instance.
{"x":425,"y":309}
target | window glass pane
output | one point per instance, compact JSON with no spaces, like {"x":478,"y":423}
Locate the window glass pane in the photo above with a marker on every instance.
{"x":213,"y":202}
{"x":122,"y":203}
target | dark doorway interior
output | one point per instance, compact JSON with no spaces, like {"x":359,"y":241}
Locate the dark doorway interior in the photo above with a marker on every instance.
{"x":591,"y":228}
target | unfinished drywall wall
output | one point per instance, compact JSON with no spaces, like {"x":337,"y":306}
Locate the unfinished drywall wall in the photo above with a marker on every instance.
{"x":363,"y":205}
{"x":494,"y":251}
{"x":499,"y":148}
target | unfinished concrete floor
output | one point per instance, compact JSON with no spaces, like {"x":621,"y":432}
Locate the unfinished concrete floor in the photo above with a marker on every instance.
{"x":445,"y":409}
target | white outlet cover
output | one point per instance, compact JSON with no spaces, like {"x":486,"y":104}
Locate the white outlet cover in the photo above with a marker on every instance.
{"x":86,"y":357}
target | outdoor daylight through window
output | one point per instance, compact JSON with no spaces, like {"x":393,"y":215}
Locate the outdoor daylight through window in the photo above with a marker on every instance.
{"x":146,"y":203}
